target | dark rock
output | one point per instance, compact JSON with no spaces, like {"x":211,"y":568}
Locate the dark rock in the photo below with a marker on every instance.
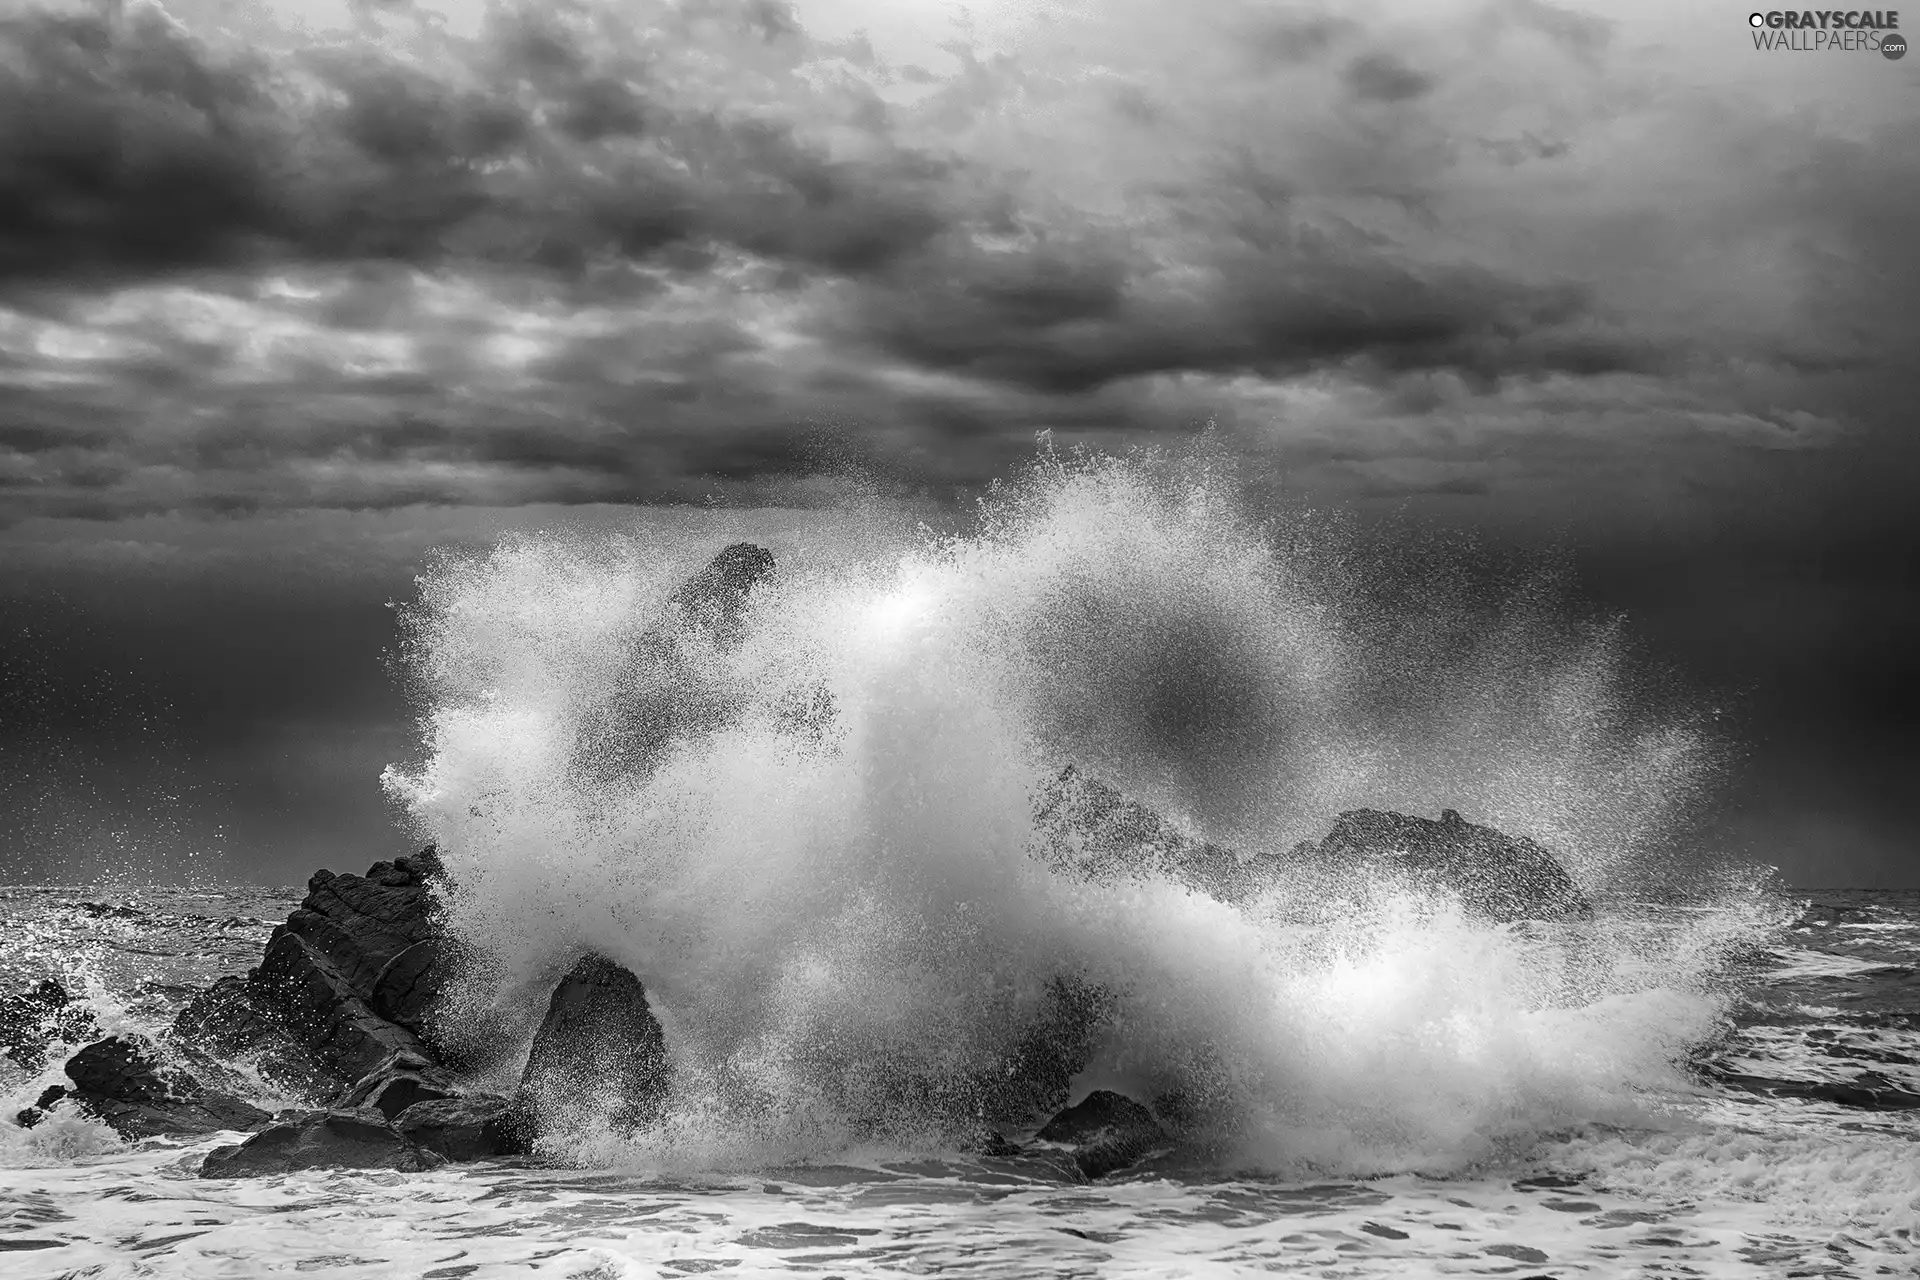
{"x":103,"y":909}
{"x":336,"y":1139}
{"x":1089,"y":828}
{"x":1496,"y":875}
{"x":398,"y":1083}
{"x":714,"y":598}
{"x":32,"y":1020}
{"x":233,"y":1019}
{"x":123,"y":1068}
{"x":352,"y":973}
{"x":407,"y":985}
{"x":663,"y":694}
{"x":1035,"y":1078}
{"x":124,"y":1082}
{"x":34,"y":1114}
{"x":987,"y":1141}
{"x":1105,"y":1131}
{"x":598,"y":1057}
{"x":229,"y":1018}
{"x":473,"y":1127}
{"x":1085,"y":827}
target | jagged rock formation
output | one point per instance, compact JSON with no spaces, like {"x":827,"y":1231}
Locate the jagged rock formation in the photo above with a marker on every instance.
{"x":599,"y":1057}
{"x":398,"y":1083}
{"x":663,"y":693}
{"x":33,"y":1115}
{"x":345,"y":984}
{"x":1085,"y":827}
{"x":232,"y":1019}
{"x":352,"y":970}
{"x":1496,"y":875}
{"x":122,"y":1081}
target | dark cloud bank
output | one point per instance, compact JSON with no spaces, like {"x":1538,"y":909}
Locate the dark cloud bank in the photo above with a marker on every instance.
{"x":260,"y":283}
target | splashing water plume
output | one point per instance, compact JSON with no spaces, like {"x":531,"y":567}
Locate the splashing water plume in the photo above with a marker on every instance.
{"x":822,"y":865}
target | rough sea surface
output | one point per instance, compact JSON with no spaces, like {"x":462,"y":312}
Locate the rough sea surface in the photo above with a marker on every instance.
{"x":1712,"y":1181}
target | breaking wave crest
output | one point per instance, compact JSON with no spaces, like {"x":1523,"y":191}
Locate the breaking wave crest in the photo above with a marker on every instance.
{"x":811,"y":832}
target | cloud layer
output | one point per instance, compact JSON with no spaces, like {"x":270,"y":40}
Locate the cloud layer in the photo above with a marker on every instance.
{"x":584,"y":252}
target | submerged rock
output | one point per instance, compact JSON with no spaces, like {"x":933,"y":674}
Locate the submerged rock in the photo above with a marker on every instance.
{"x":1086,"y":827}
{"x":478,"y":1126}
{"x":335,"y":1139}
{"x":124,"y":1082}
{"x":1105,"y":1132}
{"x":599,"y":1057}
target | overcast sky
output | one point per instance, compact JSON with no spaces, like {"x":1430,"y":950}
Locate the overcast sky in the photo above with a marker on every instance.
{"x":291,"y":292}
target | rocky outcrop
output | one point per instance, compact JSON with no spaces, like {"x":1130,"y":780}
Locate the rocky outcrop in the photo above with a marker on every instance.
{"x":1085,"y":827}
{"x":1035,"y":1078}
{"x":1104,"y":1132}
{"x":1496,"y":875}
{"x":598,"y":1058}
{"x":333,"y":1139}
{"x":234,"y":1020}
{"x":353,"y":972}
{"x":477,"y":1126}
{"x":714,"y":599}
{"x":664,"y":693}
{"x":28,"y":1117}
{"x":123,"y":1081}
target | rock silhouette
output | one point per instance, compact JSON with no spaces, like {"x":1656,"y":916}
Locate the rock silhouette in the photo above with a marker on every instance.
{"x":333,"y":1139}
{"x":599,"y":1057}
{"x":664,"y":692}
{"x":472,"y":1127}
{"x":123,"y":1081}
{"x":1085,"y":827}
{"x":1105,"y":1131}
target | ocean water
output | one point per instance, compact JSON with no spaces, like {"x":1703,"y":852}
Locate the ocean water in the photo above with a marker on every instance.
{"x":811,"y":836}
{"x":1710,"y":1181}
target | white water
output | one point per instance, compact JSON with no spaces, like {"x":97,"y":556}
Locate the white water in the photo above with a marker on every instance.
{"x":839,"y":929}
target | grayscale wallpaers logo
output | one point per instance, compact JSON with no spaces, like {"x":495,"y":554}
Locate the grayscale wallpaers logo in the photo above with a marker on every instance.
{"x":1829,"y":30}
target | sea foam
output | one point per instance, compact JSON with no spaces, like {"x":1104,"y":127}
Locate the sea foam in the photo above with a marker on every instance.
{"x":825,"y":879}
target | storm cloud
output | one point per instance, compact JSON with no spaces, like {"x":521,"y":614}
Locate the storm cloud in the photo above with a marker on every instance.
{"x":588,"y":252}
